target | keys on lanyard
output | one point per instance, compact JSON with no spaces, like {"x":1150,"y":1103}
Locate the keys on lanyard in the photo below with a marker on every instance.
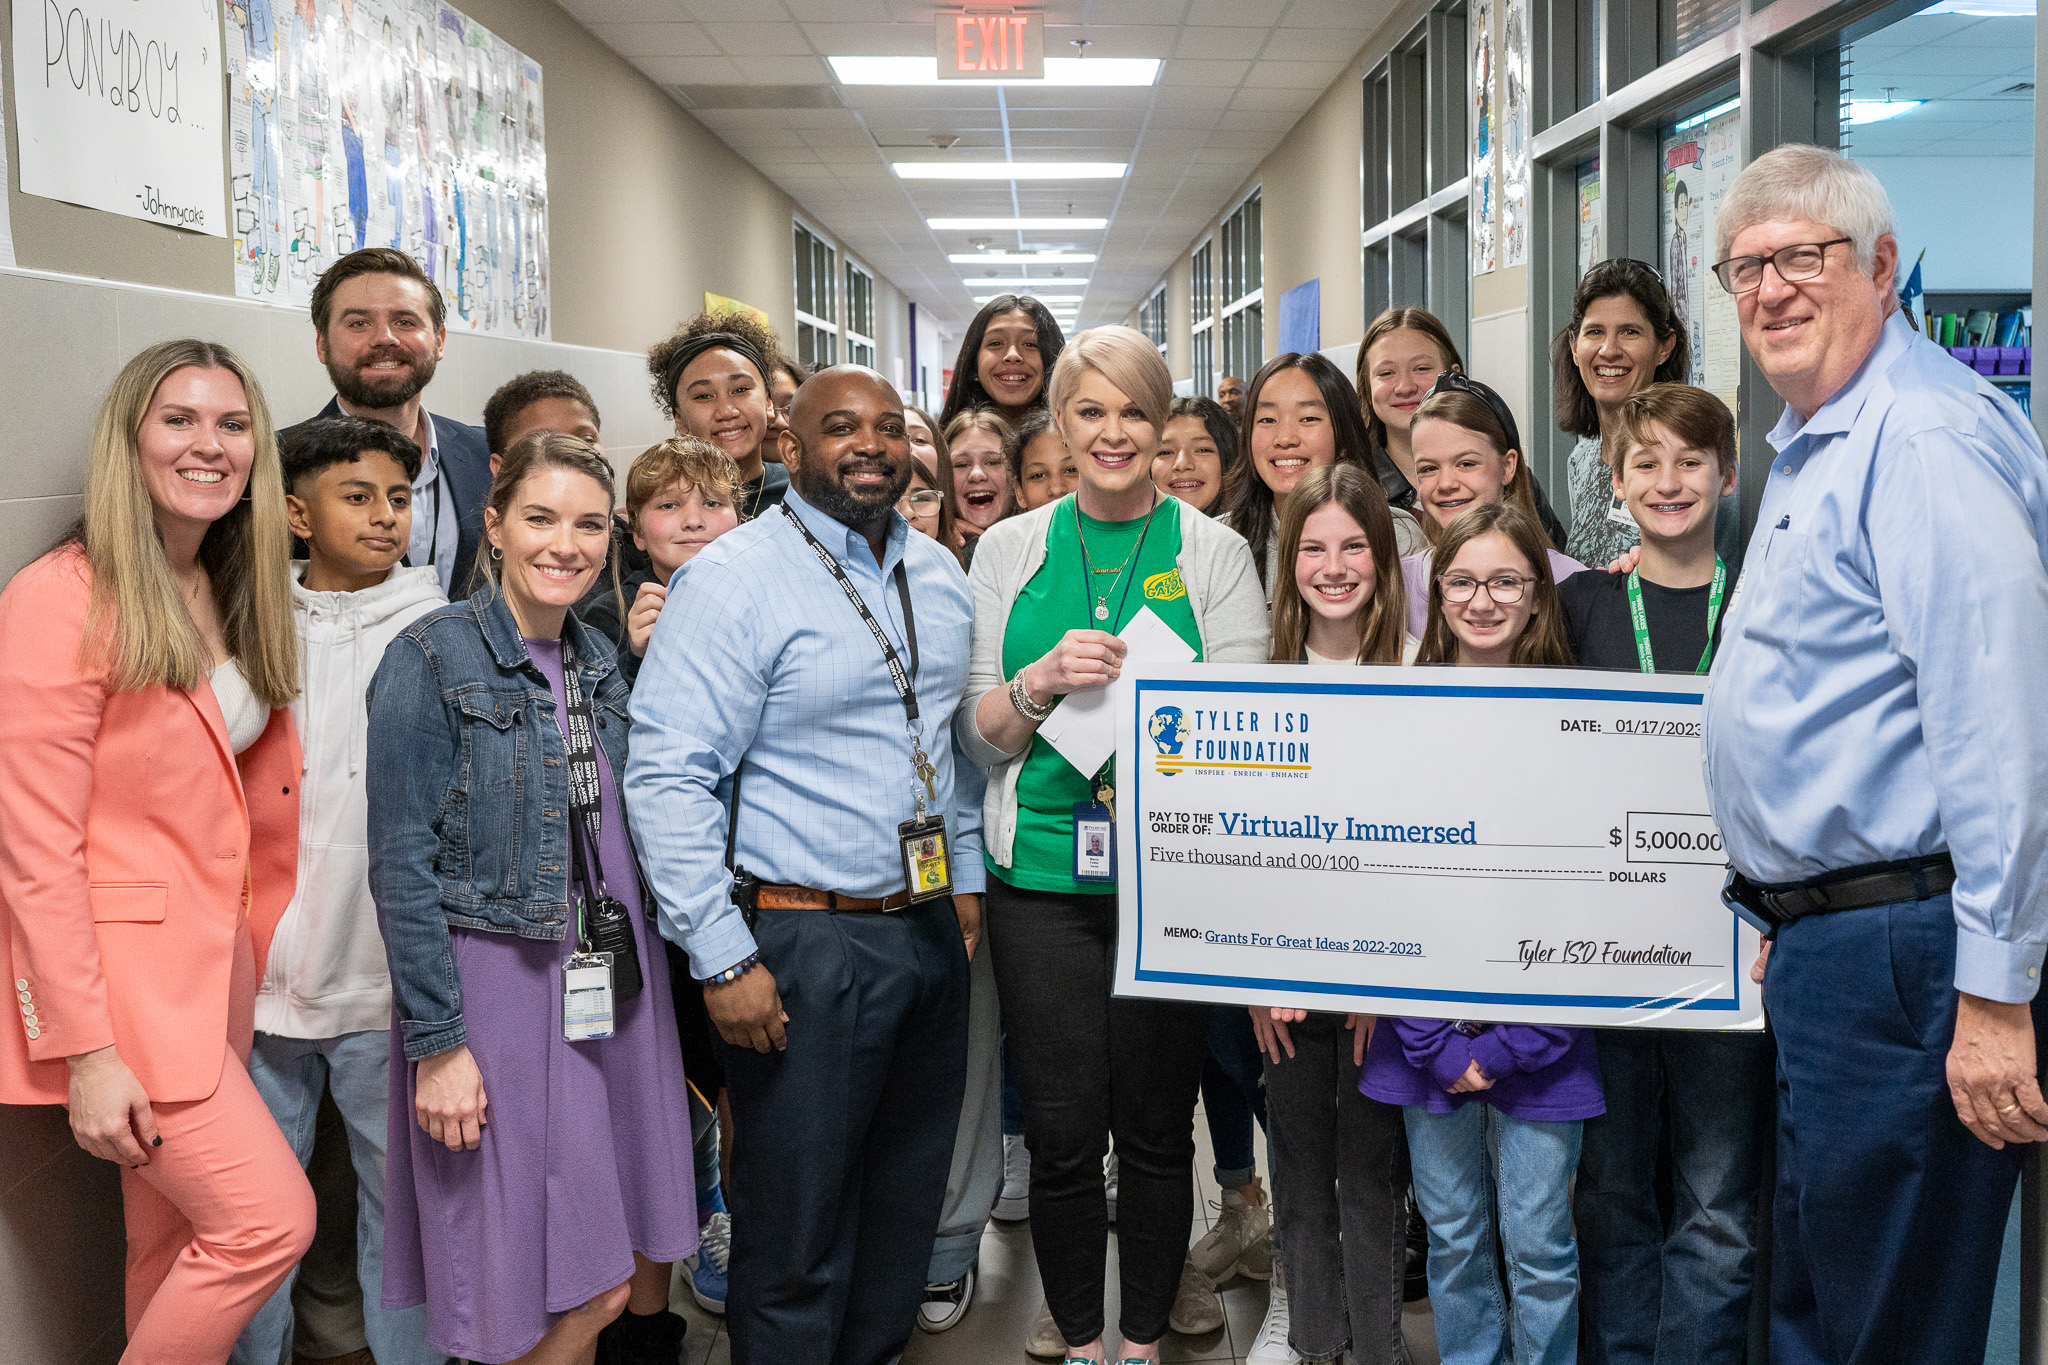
{"x":1095,"y":833}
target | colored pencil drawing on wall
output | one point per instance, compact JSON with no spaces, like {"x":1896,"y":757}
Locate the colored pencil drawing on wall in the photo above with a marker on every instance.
{"x":399,"y":123}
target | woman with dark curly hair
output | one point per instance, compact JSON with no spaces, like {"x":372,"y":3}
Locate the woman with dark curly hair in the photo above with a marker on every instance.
{"x":711,"y":377}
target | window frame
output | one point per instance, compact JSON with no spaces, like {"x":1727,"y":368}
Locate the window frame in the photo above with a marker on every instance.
{"x":813,"y":327}
{"x":856,"y":341}
{"x":1241,"y":316}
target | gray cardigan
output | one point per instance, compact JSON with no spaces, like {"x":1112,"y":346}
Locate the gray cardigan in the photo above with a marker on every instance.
{"x":1223,"y":592}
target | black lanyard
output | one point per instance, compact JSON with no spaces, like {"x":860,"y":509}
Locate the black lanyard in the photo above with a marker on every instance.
{"x":906,"y":690}
{"x":586,"y":817}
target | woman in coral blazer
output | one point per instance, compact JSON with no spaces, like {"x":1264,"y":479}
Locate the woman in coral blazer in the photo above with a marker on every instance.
{"x":148,"y":838}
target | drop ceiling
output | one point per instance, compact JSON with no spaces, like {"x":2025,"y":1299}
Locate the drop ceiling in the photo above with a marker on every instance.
{"x":1237,"y":75}
{"x":1975,"y":73}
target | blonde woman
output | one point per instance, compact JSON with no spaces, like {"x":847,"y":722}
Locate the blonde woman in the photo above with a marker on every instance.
{"x":149,"y":838}
{"x":1051,"y":589}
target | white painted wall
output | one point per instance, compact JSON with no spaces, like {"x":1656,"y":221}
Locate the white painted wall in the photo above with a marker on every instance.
{"x":1974,"y":215}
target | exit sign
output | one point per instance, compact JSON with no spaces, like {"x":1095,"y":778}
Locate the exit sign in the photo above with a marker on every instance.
{"x":991,"y":47}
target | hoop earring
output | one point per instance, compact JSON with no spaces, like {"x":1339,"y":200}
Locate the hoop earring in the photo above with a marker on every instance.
{"x":496,"y":553}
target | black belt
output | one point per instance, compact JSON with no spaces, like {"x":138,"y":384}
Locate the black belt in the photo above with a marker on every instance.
{"x":1851,"y":888}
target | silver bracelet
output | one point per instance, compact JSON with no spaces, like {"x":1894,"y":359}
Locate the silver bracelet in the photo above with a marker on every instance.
{"x":1020,"y":697}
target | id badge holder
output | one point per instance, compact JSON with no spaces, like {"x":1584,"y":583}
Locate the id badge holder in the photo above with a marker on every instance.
{"x":587,"y":998}
{"x":927,"y":859}
{"x":1094,"y":842}
{"x":1618,"y":513}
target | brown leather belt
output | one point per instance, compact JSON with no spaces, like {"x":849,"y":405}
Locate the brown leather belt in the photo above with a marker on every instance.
{"x":784,"y":896}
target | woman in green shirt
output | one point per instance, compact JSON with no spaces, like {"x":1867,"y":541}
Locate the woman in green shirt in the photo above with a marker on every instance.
{"x":1053,"y":587}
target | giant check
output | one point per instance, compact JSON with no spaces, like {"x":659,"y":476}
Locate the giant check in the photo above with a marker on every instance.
{"x":1504,"y":844}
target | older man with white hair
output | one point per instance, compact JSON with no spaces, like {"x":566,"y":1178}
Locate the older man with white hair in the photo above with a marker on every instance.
{"x":1877,"y":756}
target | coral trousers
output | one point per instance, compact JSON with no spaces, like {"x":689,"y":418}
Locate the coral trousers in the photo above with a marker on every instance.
{"x":219,"y":1216}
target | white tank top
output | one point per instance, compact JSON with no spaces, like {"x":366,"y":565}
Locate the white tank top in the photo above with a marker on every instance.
{"x":240,"y":707}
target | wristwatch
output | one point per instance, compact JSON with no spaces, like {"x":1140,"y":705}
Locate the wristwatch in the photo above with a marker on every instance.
{"x":1020,"y":697}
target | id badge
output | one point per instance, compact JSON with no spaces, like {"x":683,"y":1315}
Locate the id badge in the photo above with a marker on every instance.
{"x":1094,"y":842}
{"x":587,"y":997}
{"x":1619,"y":514}
{"x":927,"y":862}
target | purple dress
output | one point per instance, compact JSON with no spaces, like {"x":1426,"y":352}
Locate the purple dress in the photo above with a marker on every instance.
{"x":586,"y":1153}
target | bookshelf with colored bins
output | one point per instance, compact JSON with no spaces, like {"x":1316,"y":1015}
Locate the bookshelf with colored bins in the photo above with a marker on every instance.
{"x":1990,"y":330}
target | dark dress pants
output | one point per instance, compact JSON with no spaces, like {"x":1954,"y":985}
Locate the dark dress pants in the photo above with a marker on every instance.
{"x":1889,"y":1215}
{"x":1092,"y":1065}
{"x":844,"y":1140}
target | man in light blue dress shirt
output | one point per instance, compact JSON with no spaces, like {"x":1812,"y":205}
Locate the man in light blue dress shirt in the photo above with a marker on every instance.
{"x":1877,"y":757}
{"x":842,"y":1006}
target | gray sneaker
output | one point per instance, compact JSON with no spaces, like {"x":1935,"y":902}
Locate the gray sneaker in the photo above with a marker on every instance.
{"x":1239,"y":1243}
{"x":1196,"y":1309}
{"x":1044,"y":1340}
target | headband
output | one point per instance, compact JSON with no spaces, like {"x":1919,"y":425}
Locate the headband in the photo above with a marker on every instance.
{"x":689,"y":348}
{"x":1457,"y":381}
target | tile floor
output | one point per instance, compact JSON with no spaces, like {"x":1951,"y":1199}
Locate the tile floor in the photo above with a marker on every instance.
{"x":1009,"y":1297}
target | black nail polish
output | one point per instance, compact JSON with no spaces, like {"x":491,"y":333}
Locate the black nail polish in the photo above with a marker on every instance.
{"x":157,"y":1141}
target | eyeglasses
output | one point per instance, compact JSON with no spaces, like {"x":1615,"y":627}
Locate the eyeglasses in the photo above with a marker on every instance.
{"x":923,"y":503}
{"x":1800,"y":261}
{"x":1503,"y":589}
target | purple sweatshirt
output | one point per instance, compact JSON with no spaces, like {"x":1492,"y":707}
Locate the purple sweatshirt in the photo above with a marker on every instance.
{"x":1541,"y":1074}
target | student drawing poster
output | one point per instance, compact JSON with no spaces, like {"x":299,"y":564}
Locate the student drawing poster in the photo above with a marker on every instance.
{"x":1590,"y":253}
{"x":395,"y":123}
{"x":6,"y":230}
{"x":1484,"y":213}
{"x":1514,"y":141}
{"x":1700,"y":163}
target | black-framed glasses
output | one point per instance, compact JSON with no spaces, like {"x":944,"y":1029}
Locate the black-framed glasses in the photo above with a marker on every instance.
{"x":1504,"y":589}
{"x":1800,"y":261}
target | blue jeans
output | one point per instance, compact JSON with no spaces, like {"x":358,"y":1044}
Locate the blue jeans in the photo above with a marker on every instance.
{"x":1466,"y":1165}
{"x":290,"y":1074}
{"x":1682,"y":1295}
{"x":1889,"y":1215}
{"x":1232,"y":1094}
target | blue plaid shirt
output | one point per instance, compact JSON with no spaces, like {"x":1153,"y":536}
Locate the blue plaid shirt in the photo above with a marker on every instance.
{"x":758,"y":655}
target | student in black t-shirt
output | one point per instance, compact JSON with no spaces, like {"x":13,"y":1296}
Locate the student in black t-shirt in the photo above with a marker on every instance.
{"x":1646,"y":1293}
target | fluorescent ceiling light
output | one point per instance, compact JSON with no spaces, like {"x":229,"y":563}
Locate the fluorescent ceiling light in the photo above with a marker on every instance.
{"x":1072,"y":300}
{"x":1022,"y":258}
{"x":1058,"y":71}
{"x":1025,"y":284}
{"x":1877,"y":111}
{"x":1012,"y":170}
{"x":1982,"y":9}
{"x":1015,"y":224}
{"x":1710,"y":115}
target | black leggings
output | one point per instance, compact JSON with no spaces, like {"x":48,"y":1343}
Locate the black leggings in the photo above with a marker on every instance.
{"x":1091,"y":1066}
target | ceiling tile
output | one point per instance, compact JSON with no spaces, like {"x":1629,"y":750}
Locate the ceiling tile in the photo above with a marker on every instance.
{"x":1315,"y":76}
{"x":1183,"y":72}
{"x":842,"y":11}
{"x":1236,"y":13}
{"x":870,"y":39}
{"x":1313,"y":44}
{"x":1110,"y":40}
{"x":690,"y":70}
{"x":1359,"y":16}
{"x":783,"y":70}
{"x":590,"y":12}
{"x":656,"y":40}
{"x":735,"y":11}
{"x":1266,"y":97}
{"x":759,"y":40}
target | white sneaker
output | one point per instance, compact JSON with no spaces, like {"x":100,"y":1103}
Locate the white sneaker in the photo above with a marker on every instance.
{"x":945,"y":1304}
{"x":1270,"y":1346}
{"x":1109,"y":1183}
{"x":1234,"y":1245}
{"x":1014,"y":1204}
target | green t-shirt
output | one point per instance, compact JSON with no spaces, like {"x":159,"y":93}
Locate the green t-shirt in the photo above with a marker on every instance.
{"x":1057,"y":599}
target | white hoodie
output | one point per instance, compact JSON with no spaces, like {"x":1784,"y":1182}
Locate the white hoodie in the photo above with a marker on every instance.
{"x":326,"y":974}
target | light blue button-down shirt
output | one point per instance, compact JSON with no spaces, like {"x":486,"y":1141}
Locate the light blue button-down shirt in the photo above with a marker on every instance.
{"x":758,"y":654}
{"x":1878,"y":694}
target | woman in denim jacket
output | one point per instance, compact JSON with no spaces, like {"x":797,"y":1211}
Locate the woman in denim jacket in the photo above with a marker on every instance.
{"x":537,"y":1186}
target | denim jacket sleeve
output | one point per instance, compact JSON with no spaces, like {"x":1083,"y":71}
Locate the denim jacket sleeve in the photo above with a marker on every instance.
{"x":413,"y":752}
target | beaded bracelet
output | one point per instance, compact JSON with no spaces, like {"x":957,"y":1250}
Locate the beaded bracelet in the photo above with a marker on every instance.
{"x":1020,"y":697}
{"x":734,"y":972}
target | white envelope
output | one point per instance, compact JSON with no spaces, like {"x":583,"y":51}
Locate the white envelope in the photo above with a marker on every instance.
{"x":1081,"y":727}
